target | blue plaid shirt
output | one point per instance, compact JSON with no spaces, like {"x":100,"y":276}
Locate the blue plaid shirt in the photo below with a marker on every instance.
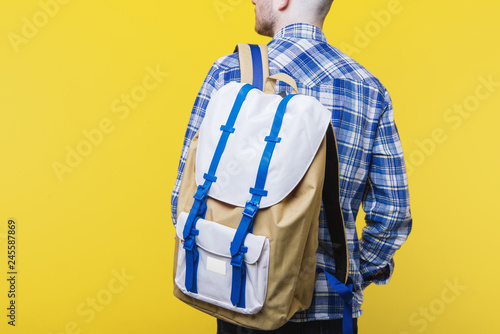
{"x":372,"y":170}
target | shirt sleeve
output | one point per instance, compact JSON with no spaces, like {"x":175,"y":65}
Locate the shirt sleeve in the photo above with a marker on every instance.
{"x":209,"y":86}
{"x":386,"y":202}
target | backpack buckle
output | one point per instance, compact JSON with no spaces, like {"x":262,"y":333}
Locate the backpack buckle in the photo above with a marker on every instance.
{"x":250,"y":209}
{"x":190,"y":243}
{"x":201,"y":193}
{"x":237,"y":260}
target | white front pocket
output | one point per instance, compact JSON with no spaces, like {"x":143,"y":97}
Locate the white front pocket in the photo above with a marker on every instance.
{"x":214,"y":279}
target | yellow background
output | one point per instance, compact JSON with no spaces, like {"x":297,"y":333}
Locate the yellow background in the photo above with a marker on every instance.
{"x":111,"y":213}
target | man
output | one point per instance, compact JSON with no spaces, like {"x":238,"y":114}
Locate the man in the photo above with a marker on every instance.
{"x":372,"y":171}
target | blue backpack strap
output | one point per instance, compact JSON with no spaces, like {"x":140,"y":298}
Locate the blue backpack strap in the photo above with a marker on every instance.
{"x":254,"y":64}
{"x":246,"y":223}
{"x":345,"y":292}
{"x":199,"y":207}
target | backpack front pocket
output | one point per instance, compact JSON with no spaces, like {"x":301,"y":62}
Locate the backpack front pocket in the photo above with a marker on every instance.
{"x":213,"y":268}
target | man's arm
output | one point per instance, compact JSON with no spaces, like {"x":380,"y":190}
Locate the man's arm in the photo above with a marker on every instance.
{"x":386,"y":202}
{"x":210,"y":85}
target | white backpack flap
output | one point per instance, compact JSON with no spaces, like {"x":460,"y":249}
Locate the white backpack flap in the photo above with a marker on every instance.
{"x":303,"y":129}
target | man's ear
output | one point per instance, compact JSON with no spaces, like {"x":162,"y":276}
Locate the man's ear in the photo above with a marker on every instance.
{"x":283,"y":4}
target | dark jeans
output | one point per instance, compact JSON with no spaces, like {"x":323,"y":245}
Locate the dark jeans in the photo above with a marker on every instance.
{"x":311,"y":327}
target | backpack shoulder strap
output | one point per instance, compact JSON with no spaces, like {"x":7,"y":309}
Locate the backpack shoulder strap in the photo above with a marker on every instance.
{"x":254,"y":64}
{"x":254,"y":69}
{"x":333,"y":210}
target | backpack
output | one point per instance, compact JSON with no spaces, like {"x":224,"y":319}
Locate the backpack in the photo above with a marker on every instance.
{"x":250,"y":199}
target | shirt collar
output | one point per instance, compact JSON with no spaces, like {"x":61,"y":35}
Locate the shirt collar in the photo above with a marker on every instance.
{"x":301,"y":30}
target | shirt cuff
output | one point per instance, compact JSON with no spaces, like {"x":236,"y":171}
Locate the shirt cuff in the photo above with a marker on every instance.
{"x":380,"y":277}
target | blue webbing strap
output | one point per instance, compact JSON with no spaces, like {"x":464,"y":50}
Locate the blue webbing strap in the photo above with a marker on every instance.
{"x":251,"y":207}
{"x":258,"y":77}
{"x":199,"y":207}
{"x":344,"y":291}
